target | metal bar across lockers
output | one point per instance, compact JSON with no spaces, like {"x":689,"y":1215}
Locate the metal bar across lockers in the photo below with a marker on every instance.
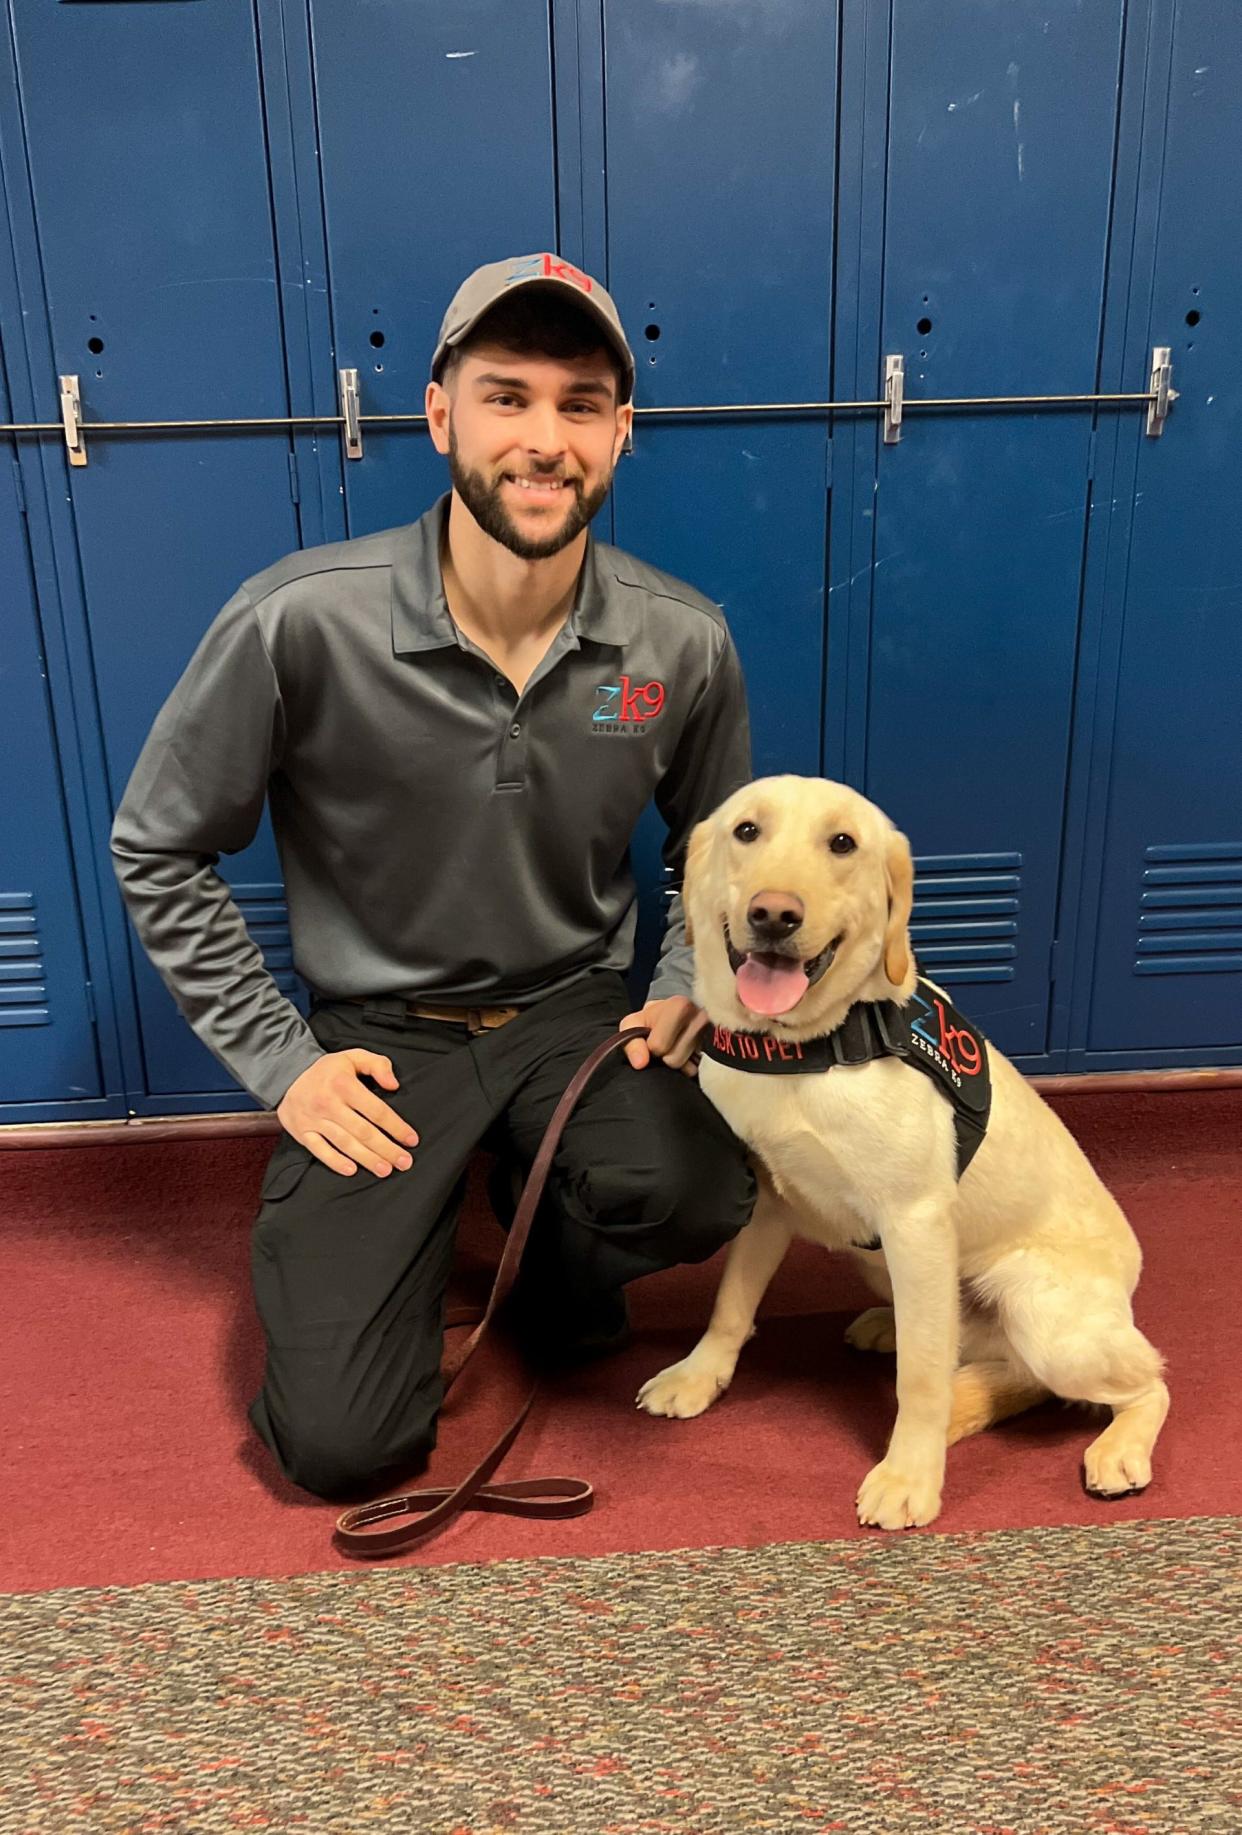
{"x":893,"y":404}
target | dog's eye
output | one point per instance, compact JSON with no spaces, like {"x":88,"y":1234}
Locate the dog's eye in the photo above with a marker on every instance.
{"x":843,"y":844}
{"x":746,"y":831}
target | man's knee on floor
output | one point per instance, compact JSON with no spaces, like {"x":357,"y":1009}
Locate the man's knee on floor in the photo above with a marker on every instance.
{"x":344,"y":1458}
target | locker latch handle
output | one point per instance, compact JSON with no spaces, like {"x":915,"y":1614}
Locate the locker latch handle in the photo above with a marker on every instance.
{"x":347,"y":386}
{"x":1162,"y":388}
{"x":894,"y":398}
{"x":71,"y":419}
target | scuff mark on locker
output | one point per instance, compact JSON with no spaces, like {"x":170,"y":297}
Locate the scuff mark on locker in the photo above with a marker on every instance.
{"x":679,"y":77}
{"x":844,"y":585}
{"x":218,"y":280}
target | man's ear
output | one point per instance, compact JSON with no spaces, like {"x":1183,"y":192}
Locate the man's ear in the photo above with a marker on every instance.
{"x":696,"y":859}
{"x":625,"y":430}
{"x":899,"y":874}
{"x":438,"y":407}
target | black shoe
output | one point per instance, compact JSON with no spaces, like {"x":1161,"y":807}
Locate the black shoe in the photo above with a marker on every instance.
{"x":554,"y":1327}
{"x":561,"y":1332}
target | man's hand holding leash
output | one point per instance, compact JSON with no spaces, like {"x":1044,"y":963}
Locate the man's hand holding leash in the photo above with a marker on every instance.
{"x":674,"y":1025}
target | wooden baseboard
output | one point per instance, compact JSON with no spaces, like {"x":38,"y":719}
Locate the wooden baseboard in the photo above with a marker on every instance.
{"x":137,"y":1129}
{"x":1110,"y":1082}
{"x":142,"y":1128}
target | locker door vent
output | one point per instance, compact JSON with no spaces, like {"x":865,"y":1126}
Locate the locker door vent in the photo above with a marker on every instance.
{"x":964,"y":926}
{"x":1190,"y":910}
{"x":23,"y":990}
{"x":267,"y":920}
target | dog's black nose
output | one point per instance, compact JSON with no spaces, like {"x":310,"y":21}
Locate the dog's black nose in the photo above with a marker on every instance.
{"x":773,"y":916}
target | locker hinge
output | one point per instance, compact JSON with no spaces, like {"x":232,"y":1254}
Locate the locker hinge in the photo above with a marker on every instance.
{"x":1091,"y":456}
{"x":19,"y":488}
{"x":294,"y":492}
{"x":1054,"y":957}
{"x":89,"y":991}
{"x":827,"y":465}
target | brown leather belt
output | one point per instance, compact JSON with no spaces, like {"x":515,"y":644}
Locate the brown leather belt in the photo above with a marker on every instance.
{"x":474,"y":1019}
{"x":429,"y":1509}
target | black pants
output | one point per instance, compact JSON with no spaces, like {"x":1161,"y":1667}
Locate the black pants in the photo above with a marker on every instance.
{"x":350,"y":1272}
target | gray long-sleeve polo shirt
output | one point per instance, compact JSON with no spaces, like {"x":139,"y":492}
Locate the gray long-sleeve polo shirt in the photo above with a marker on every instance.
{"x":442,"y":838}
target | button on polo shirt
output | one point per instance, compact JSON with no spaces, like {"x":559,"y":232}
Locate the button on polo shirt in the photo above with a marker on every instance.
{"x":442,"y":837}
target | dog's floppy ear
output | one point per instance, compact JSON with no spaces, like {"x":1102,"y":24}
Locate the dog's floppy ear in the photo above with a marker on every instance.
{"x":696,"y":855}
{"x":899,"y":873}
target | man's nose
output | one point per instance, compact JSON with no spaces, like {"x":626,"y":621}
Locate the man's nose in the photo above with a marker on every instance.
{"x":774,"y":916}
{"x":543,"y":433}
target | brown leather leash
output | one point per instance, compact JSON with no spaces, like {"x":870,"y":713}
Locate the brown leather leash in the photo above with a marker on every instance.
{"x":390,"y":1525}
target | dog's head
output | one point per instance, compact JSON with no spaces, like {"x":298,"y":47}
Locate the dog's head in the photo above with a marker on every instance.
{"x":797,"y":895}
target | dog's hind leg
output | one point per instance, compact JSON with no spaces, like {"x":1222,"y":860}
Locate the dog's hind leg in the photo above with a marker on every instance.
{"x":687,"y":1388}
{"x":989,"y":1384}
{"x":990,"y":1390}
{"x":1080,"y":1339}
{"x":982,"y":1335}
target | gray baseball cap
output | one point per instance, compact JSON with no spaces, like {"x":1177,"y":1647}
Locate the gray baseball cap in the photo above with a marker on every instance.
{"x":479,"y":292}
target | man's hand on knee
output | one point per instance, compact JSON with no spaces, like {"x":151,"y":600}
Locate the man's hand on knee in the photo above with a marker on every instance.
{"x":330,"y":1111}
{"x":675,"y":1024}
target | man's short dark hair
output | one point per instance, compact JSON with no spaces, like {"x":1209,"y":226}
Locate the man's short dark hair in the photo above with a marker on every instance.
{"x":537,"y":324}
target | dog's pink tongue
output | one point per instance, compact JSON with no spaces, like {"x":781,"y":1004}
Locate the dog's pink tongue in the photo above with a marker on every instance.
{"x":770,"y":987}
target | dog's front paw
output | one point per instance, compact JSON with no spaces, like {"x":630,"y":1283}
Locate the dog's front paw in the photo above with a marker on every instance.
{"x":893,"y":1499}
{"x":874,"y":1330}
{"x":684,"y":1389}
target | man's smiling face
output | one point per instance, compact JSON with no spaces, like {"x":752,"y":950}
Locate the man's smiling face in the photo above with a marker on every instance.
{"x":532,"y":443}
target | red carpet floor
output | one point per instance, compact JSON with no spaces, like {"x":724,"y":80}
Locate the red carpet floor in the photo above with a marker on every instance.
{"x":129,"y":1352}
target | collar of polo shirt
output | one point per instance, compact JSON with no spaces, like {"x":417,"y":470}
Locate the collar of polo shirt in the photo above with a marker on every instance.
{"x":605,"y":608}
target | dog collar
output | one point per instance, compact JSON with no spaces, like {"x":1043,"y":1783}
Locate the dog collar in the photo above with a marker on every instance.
{"x":926,"y":1032}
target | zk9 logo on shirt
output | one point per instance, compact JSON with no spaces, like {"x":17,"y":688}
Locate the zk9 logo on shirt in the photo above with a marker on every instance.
{"x":626,"y":707}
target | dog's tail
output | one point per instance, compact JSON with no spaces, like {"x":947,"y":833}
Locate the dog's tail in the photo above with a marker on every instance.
{"x":990,"y":1391}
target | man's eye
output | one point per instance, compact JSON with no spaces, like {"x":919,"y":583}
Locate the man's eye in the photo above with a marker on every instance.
{"x":503,"y":401}
{"x":746,"y":831}
{"x":843,"y":844}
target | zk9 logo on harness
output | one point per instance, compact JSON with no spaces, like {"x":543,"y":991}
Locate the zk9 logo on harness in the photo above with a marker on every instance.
{"x":952,"y":1047}
{"x":626,"y":709}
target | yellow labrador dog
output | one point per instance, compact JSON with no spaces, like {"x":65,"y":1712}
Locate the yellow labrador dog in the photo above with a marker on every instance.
{"x":1008,"y":1280}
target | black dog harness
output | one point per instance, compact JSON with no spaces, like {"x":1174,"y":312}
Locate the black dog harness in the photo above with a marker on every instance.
{"x":927,"y":1033}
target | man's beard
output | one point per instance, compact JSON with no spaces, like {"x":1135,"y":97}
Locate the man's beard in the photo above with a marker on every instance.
{"x":486,"y":505}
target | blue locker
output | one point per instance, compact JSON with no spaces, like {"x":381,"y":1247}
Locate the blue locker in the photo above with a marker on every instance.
{"x":950,"y":689}
{"x":47,"y":1036}
{"x":1161,"y":958}
{"x":719,"y":256}
{"x":158,"y":264}
{"x":437,"y":154}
